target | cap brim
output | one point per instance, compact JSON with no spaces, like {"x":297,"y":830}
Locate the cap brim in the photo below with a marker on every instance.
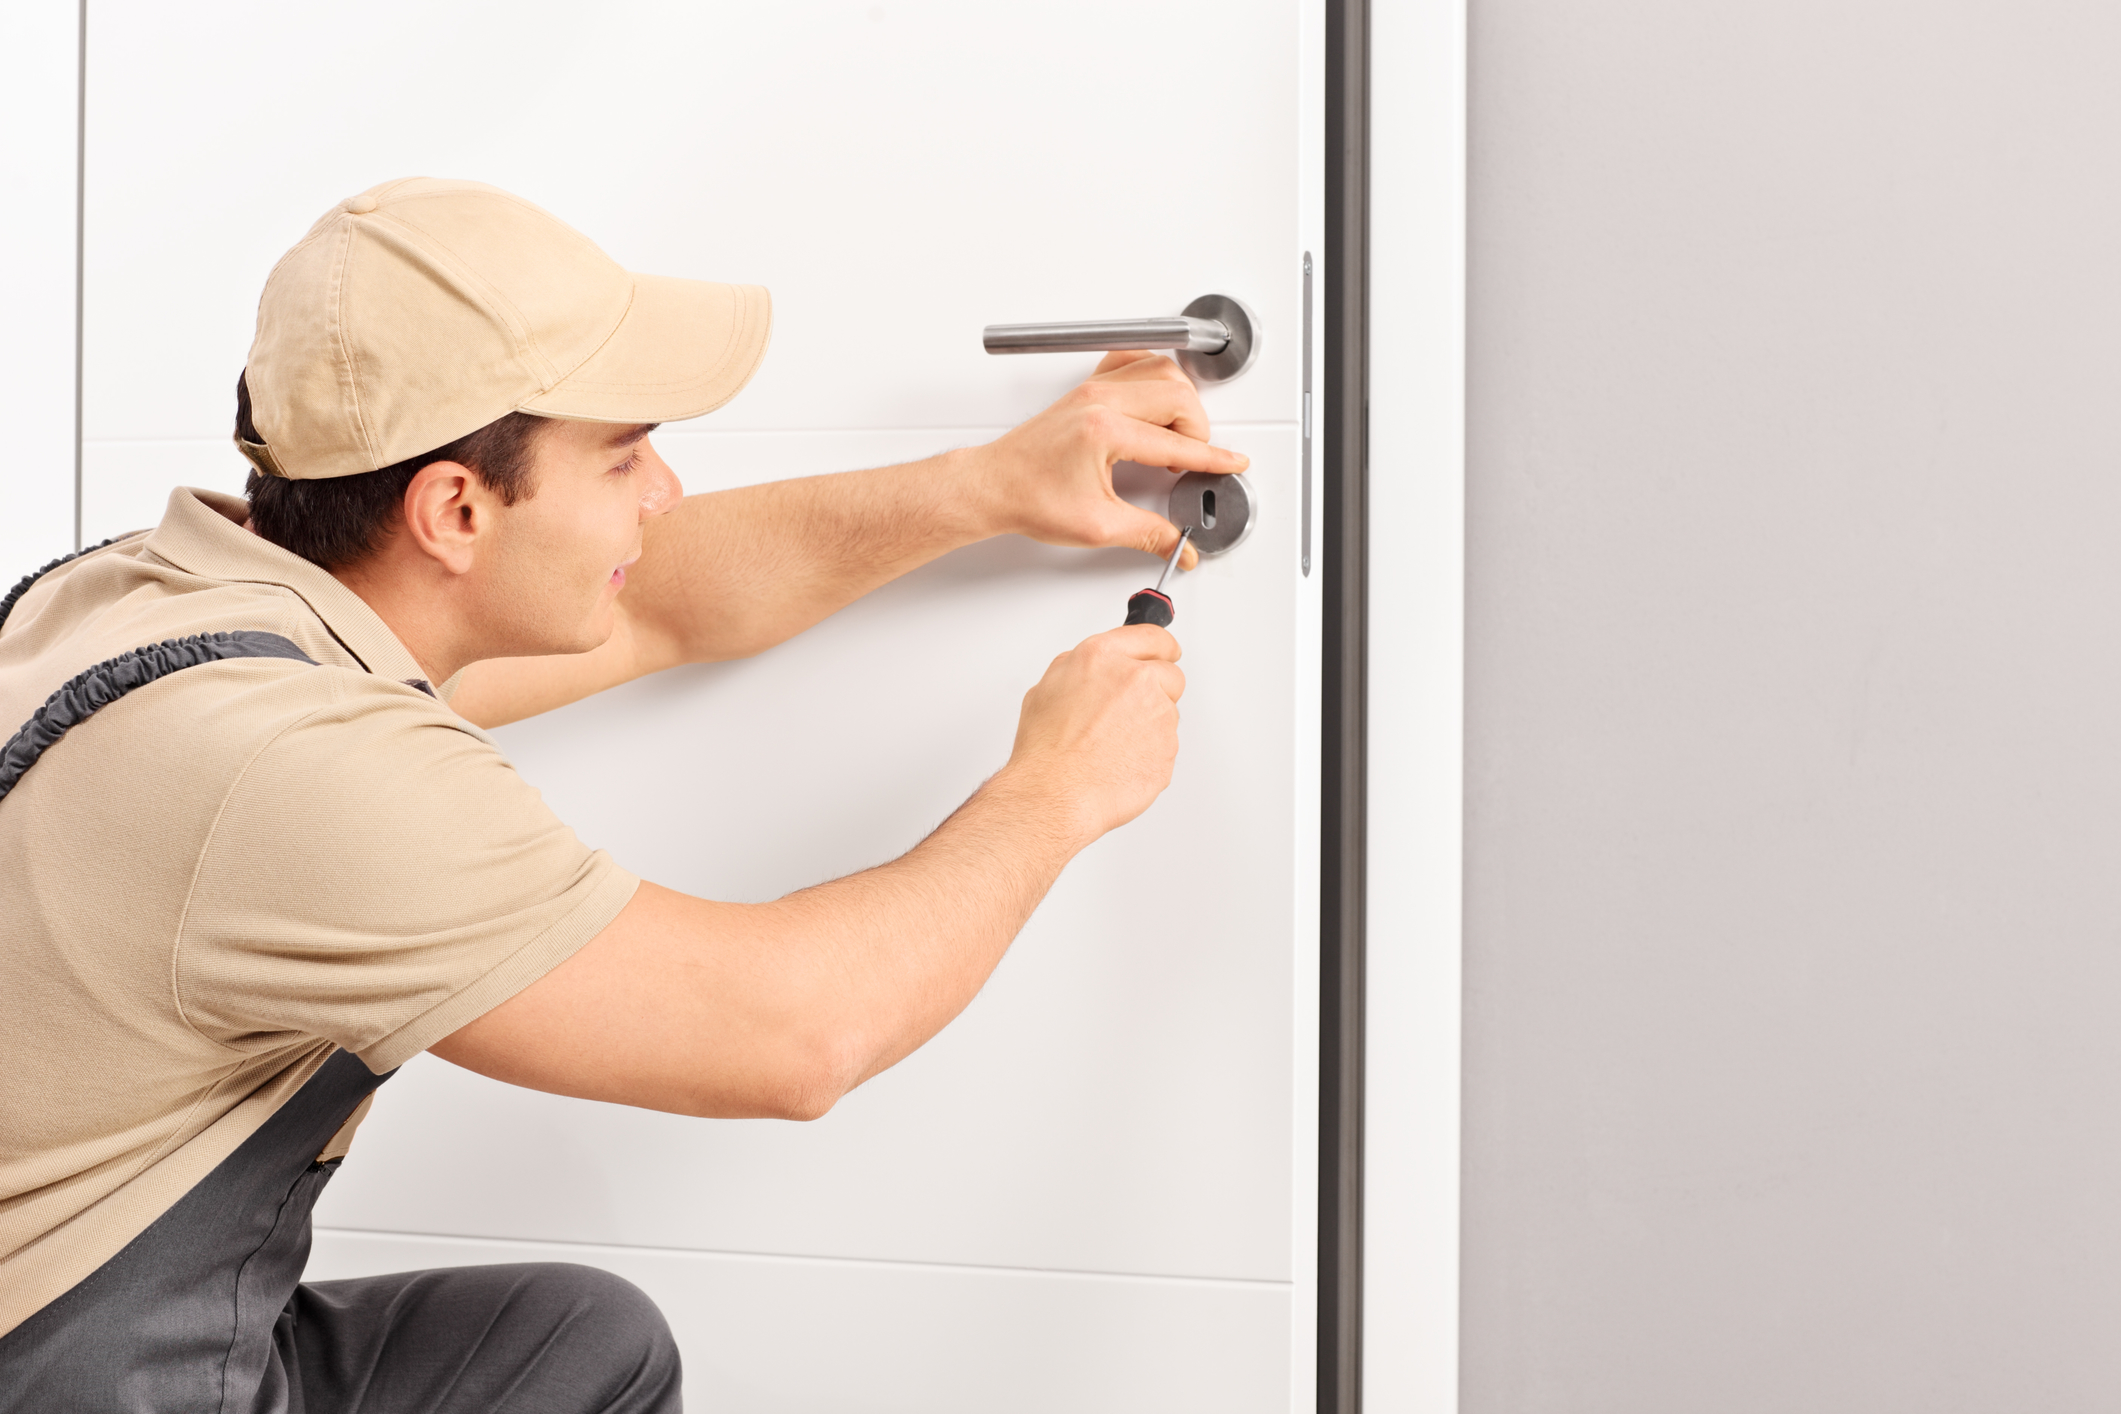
{"x":684,"y":348}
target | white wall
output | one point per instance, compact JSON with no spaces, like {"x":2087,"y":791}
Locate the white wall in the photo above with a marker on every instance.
{"x":1795,"y":676}
{"x":39,"y":65}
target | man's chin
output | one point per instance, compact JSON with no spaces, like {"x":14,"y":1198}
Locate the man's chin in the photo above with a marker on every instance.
{"x":587,"y":639}
{"x":587,"y":642}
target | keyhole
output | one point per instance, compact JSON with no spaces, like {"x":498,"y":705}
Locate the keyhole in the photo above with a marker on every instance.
{"x":1207,"y":510}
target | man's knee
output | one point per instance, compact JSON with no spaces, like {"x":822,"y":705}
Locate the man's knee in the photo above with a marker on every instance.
{"x":609,"y":1319}
{"x":454,"y":1340}
{"x":611,"y":1304}
{"x":580,"y":1336}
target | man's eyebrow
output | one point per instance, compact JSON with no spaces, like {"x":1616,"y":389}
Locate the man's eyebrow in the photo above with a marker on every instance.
{"x":628,"y":435}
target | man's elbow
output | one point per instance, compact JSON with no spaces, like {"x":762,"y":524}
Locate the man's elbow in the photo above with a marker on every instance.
{"x":806,"y":1104}
{"x":811,"y":1078}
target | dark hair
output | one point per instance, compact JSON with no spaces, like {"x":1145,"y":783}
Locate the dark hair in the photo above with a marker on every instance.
{"x":338,"y":520}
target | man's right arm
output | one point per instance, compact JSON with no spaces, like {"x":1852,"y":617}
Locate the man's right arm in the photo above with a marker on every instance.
{"x":777,"y":1009}
{"x":731,"y":573}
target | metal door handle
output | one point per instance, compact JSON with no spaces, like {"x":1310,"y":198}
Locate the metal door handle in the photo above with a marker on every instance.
{"x":1158,"y":331}
{"x":1216,"y":338}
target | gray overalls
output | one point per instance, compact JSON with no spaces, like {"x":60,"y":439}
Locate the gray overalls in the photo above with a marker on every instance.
{"x":206,"y":1312}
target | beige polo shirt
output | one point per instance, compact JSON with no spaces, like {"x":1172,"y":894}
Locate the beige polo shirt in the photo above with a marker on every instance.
{"x":221,"y":877}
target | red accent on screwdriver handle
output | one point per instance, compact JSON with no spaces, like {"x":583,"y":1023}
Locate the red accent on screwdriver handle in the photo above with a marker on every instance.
{"x":1151,"y":607}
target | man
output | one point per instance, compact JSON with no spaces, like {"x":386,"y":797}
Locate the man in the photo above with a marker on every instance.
{"x":259,"y":852}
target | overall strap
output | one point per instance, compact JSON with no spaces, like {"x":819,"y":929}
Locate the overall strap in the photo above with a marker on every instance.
{"x":106,"y":682}
{"x":23,"y":585}
{"x":181,"y":1320}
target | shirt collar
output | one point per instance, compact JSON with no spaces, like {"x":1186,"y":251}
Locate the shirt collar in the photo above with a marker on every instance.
{"x":202,"y":533}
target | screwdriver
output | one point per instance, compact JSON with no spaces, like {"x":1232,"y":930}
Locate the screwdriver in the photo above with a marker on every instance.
{"x":1153,"y":606}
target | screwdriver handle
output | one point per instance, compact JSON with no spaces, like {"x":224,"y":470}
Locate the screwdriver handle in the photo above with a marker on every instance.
{"x":1150,"y":607}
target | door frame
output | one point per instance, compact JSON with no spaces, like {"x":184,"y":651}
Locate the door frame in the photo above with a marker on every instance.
{"x":1343,"y":419}
{"x":1391,"y":804}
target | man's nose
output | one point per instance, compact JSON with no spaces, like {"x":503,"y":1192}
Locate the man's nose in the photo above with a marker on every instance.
{"x":663,"y":490}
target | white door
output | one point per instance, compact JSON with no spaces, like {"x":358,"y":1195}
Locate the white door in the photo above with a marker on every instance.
{"x":1095,"y":1190}
{"x":39,"y":157}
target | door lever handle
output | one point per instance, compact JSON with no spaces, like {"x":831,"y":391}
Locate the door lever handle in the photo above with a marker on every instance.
{"x":1216,"y":338}
{"x":1157,"y":331}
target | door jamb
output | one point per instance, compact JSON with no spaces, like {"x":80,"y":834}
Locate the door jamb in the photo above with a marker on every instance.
{"x":1344,"y":418}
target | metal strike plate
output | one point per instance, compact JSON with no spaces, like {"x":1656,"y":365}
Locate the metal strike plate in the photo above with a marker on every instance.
{"x":1219,"y":508}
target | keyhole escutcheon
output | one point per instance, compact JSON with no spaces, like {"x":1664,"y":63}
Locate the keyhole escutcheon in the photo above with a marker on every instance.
{"x":1220,"y":509}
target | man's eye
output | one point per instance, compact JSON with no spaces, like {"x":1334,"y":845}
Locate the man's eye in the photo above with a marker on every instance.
{"x":633,"y":460}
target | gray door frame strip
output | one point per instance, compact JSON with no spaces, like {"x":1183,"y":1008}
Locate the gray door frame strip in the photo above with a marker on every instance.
{"x":1343,"y":845}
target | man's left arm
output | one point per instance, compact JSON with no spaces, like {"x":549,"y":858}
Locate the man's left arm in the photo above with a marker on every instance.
{"x":732,"y":573}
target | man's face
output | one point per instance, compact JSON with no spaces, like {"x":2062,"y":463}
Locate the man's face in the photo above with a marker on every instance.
{"x":558,"y":558}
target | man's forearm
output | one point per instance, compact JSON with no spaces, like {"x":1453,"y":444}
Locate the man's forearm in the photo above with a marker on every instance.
{"x":906,"y":946}
{"x":731,"y":573}
{"x":735,"y":572}
{"x":777,"y":1009}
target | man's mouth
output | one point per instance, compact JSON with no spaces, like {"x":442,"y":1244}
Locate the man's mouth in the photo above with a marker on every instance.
{"x":618,"y":576}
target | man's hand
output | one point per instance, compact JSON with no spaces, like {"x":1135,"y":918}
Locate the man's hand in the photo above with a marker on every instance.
{"x":1099,"y":732}
{"x":1051,"y":478}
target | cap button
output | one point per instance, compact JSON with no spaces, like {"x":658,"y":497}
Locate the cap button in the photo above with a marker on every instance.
{"x":359,"y":205}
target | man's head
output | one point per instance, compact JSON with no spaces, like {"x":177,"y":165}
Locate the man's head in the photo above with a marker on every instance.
{"x":534,"y":579}
{"x":478,"y":379}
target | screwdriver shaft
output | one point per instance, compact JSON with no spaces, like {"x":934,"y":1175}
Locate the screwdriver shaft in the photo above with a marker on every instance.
{"x":1172,"y":563}
{"x":1153,"y":606}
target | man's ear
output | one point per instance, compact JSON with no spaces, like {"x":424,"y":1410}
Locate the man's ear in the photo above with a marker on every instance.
{"x":446,"y":510}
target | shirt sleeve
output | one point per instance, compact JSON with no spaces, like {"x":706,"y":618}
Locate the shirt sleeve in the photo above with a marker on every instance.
{"x":379,"y":876}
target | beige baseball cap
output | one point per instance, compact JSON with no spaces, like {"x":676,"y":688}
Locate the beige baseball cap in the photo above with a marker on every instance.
{"x":421,"y":310}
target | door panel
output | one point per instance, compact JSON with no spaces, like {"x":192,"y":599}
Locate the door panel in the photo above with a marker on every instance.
{"x":39,"y":63}
{"x":898,"y":175}
{"x":777,"y":1335}
{"x":1134,"y":1092}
